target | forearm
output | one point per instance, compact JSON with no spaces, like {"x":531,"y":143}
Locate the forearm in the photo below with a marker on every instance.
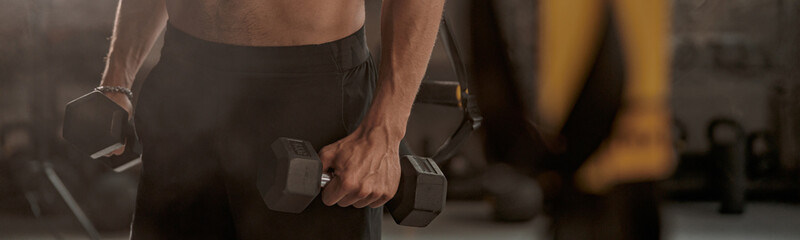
{"x":137,"y":26}
{"x":408,"y":33}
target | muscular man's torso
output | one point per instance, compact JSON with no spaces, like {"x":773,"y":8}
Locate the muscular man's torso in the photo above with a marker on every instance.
{"x":267,"y":22}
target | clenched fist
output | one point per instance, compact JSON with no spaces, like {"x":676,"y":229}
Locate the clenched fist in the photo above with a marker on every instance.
{"x":365,"y":166}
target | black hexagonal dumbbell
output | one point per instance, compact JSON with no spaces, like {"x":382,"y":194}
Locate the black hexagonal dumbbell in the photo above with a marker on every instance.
{"x":97,"y":126}
{"x":290,"y":183}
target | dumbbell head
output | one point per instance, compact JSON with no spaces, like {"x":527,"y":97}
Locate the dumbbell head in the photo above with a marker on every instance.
{"x":421,"y":194}
{"x":292,"y":181}
{"x":94,"y":124}
{"x":97,"y":126}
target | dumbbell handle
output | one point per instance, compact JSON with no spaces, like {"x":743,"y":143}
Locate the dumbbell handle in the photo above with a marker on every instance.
{"x":325,"y":180}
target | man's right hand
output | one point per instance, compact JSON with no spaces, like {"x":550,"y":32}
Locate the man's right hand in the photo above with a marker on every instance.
{"x":122,"y":100}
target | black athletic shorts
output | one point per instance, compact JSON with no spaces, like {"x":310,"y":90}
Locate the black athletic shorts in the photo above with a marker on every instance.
{"x":207,"y":115}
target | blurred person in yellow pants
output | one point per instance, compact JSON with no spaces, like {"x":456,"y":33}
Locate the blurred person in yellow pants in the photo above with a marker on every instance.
{"x":601,"y":112}
{"x":631,"y":38}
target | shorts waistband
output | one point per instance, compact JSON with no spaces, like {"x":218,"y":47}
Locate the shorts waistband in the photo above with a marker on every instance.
{"x":334,"y":56}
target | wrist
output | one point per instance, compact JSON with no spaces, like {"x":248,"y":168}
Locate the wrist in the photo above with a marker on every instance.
{"x":115,"y":89}
{"x":110,"y":81}
{"x":387,"y":119}
{"x":377,"y":131}
{"x":116,"y":75}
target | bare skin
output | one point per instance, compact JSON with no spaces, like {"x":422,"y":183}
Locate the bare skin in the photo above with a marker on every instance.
{"x":366,"y":162}
{"x":268,"y":23}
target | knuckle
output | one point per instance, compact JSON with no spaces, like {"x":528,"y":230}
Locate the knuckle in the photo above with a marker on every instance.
{"x":388,"y":195}
{"x":362,"y":204}
{"x":349,"y":185}
{"x":385,"y":198}
{"x":378,"y":203}
{"x":363,"y":193}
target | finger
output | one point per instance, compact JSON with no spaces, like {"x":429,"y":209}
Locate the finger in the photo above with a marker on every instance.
{"x":119,"y":151}
{"x":381,"y":201}
{"x":367,"y":201}
{"x":327,"y":155}
{"x":354,"y":197}
{"x":334,"y":192}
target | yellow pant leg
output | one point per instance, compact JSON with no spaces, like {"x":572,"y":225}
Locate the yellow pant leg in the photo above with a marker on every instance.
{"x":639,"y":147}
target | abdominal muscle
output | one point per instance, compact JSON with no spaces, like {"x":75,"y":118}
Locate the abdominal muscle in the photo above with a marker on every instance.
{"x":267,"y":22}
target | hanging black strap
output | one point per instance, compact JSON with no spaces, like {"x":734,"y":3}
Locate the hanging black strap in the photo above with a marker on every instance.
{"x":452,"y":94}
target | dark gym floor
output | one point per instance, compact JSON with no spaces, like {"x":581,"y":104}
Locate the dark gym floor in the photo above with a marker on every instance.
{"x":471,"y":220}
